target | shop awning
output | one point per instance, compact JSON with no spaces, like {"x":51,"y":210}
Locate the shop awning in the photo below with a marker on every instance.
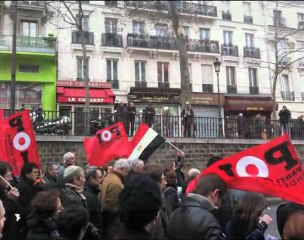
{"x":263,"y":104}
{"x":77,"y":95}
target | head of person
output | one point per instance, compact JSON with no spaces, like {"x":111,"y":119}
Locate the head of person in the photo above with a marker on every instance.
{"x":139,"y":201}
{"x":74,"y":175}
{"x":187,"y":104}
{"x":122,"y":166}
{"x":294,"y":227}
{"x":2,"y":218}
{"x":30,"y":172}
{"x":193,"y":173}
{"x":137,"y":165}
{"x":170,"y":166}
{"x":52,"y":170}
{"x":171,"y":178}
{"x":72,"y":222}
{"x":284,"y":108}
{"x":6,"y":173}
{"x":241,"y":114}
{"x":155,"y":171}
{"x":213,"y":159}
{"x":94,"y":176}
{"x":212,"y":187}
{"x":131,"y":104}
{"x":69,"y":158}
{"x":47,"y":204}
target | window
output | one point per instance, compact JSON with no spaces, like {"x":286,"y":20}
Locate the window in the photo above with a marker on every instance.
{"x":82,"y":68}
{"x":140,"y":71}
{"x":186,"y":31}
{"x":138,"y":27}
{"x":249,"y":38}
{"x":204,"y":34}
{"x":163,"y":71}
{"x":230,"y":74}
{"x":253,"y":81}
{"x":29,"y":29}
{"x":161,"y":30}
{"x":207,"y":78}
{"x":111,"y":25}
{"x":247,"y":8}
{"x":277,"y":18}
{"x":282,"y":51}
{"x":228,"y":37}
{"x":300,"y":17}
{"x":28,"y":68}
{"x":111,"y":3}
{"x":112,"y":70}
{"x":85,"y":22}
{"x":285,"y":87}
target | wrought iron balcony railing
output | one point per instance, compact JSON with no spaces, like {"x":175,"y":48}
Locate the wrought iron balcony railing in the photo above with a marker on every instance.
{"x":207,"y":46}
{"x":140,"y":84}
{"x":232,"y":89}
{"x":254,"y":90}
{"x":301,"y":25}
{"x":226,"y":16}
{"x":111,"y":40}
{"x":207,"y":88}
{"x":251,"y":52}
{"x":88,"y":37}
{"x":163,"y":85}
{"x":149,"y":41}
{"x":287,"y":95}
{"x":248,"y":19}
{"x":230,"y":50}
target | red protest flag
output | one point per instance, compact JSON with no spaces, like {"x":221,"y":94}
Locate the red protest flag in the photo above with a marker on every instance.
{"x":2,"y":154}
{"x":272,"y":168}
{"x":108,"y":144}
{"x":19,"y":141}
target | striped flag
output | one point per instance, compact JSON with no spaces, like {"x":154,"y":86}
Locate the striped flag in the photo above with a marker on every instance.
{"x":145,"y":142}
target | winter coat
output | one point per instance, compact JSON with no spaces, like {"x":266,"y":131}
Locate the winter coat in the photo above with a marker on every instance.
{"x":284,"y":116}
{"x":129,"y":233}
{"x":193,"y":219}
{"x":253,"y":234}
{"x":71,"y":197}
{"x":50,"y":182}
{"x":171,"y":199}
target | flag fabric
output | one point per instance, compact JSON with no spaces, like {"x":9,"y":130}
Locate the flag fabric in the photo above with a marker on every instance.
{"x":272,"y":168}
{"x":108,"y":144}
{"x":144,"y":143}
{"x":2,"y":156}
{"x":1,"y":114}
{"x":18,"y":141}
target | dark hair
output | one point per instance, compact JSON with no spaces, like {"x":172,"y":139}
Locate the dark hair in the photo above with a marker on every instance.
{"x":49,"y":166}
{"x":154,"y":170}
{"x":213,"y":159}
{"x":171,"y":177}
{"x":27,"y":168}
{"x":4,"y":168}
{"x":45,"y":203}
{"x":294,"y":227}
{"x":139,"y":201}
{"x":208,"y":183}
{"x":71,"y":220}
{"x":92,"y":172}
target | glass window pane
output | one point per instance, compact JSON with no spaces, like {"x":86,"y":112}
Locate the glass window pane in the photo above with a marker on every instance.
{"x":109,"y":70}
{"x":79,"y":68}
{"x":115,"y":70}
{"x":159,"y":72}
{"x":207,"y":74}
{"x":137,"y":71}
{"x":25,"y":29}
{"x":166,"y":72}
{"x":143,"y":71}
{"x":33,"y":29}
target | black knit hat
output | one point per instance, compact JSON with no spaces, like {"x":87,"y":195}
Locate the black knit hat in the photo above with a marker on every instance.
{"x":284,"y":211}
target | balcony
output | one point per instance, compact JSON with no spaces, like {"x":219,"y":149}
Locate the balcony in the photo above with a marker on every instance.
{"x":140,"y":84}
{"x":251,"y":52}
{"x":207,"y":88}
{"x":163,"y":85}
{"x":148,"y":41}
{"x":88,"y":38}
{"x":248,"y":19}
{"x":115,"y":83}
{"x":28,"y":44}
{"x":284,"y":61}
{"x":111,"y":3}
{"x":302,"y":96}
{"x":111,"y":40}
{"x":301,"y":64}
{"x":226,"y":16}
{"x":279,"y":22}
{"x":254,"y":90}
{"x":230,"y":50}
{"x":287,"y":95}
{"x":231,"y":89}
{"x":30,"y":5}
{"x":207,"y":46}
{"x":182,"y":7}
{"x":301,"y":25}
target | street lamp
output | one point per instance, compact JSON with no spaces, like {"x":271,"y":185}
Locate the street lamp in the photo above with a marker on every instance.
{"x":217,"y":68}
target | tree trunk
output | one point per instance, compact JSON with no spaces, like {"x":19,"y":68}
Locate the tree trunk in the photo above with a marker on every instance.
{"x":183,"y":55}
{"x":274,"y":102}
{"x":14,"y":60}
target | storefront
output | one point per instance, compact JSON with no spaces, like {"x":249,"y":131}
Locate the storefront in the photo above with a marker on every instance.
{"x":71,"y":100}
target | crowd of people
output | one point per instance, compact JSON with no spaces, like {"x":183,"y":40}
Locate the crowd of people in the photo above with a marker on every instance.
{"x":133,"y":200}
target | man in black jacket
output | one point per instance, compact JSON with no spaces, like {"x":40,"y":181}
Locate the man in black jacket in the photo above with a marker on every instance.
{"x":285,"y":116}
{"x":50,"y":176}
{"x":194,"y":218}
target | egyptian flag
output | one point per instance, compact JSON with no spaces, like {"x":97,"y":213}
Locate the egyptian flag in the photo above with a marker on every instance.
{"x":272,"y":169}
{"x":145,"y":142}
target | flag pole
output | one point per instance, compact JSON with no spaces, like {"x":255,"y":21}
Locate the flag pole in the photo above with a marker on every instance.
{"x":6,"y":181}
{"x":175,"y":147}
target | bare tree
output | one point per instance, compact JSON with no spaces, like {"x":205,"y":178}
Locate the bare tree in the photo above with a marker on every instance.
{"x":14,"y":59}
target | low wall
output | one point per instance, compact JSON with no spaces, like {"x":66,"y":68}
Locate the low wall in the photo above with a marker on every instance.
{"x":52,"y":148}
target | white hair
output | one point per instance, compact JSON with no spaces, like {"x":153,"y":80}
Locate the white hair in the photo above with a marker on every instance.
{"x":135,"y":162}
{"x":67,"y":156}
{"x":121,"y":163}
{"x":193,"y":172}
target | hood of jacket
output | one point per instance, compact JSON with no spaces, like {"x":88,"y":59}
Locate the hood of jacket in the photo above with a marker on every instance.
{"x":201,"y":201}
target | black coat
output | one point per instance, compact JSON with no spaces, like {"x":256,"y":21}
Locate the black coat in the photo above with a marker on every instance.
{"x":284,"y":116}
{"x":193,"y":219}
{"x":71,"y":197}
{"x":171,"y":199}
{"x":50,"y":182}
{"x":254,"y":234}
{"x":129,"y":233}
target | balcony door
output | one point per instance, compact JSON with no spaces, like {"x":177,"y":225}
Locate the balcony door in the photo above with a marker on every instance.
{"x":163,"y":74}
{"x":207,"y":78}
{"x":29,"y":28}
{"x":111,"y":25}
{"x":161,"y":30}
{"x":138,"y":27}
{"x":249,"y":40}
{"x":140,"y":74}
{"x":253,"y":81}
{"x":228,"y":37}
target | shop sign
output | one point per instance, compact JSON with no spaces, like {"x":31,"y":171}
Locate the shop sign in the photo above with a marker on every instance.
{"x":255,"y":109}
{"x":206,"y":99}
{"x":63,"y":99}
{"x":81,"y":84}
{"x":154,"y":98}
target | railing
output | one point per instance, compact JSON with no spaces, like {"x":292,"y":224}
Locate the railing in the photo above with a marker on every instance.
{"x":248,"y":19}
{"x":279,"y":22}
{"x":207,"y":88}
{"x":140,"y":84}
{"x":149,"y":41}
{"x":111,"y":3}
{"x":231,"y":89}
{"x":88,"y":38}
{"x":182,"y":7}
{"x":287,"y":95}
{"x":59,"y":123}
{"x":163,"y":85}
{"x":230,"y":50}
{"x":115,"y":83}
{"x":301,"y":25}
{"x":30,"y":3}
{"x":252,"y":52}
{"x":111,"y":40}
{"x":207,"y":46}
{"x":302,"y":96}
{"x":254,"y":90}
{"x":226,"y":16}
{"x":29,"y":44}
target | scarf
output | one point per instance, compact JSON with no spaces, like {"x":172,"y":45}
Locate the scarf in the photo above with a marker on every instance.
{"x":77,"y":189}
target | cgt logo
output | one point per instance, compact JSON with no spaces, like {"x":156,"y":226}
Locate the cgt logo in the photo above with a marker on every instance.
{"x":107,"y":134}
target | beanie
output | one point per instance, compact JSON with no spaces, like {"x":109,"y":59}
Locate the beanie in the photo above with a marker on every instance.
{"x":71,"y":172}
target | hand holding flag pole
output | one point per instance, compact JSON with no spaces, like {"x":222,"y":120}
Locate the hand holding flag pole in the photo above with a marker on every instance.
{"x":175,"y":147}
{"x":3,"y":179}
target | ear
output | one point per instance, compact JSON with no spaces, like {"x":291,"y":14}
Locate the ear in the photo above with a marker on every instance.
{"x":215,"y":193}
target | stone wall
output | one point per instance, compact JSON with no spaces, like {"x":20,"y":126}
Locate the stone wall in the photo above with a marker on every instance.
{"x":52,"y":148}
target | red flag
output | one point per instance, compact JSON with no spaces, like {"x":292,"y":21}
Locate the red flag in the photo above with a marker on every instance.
{"x":1,"y":114}
{"x":272,"y":168}
{"x":2,"y":154}
{"x":108,"y":144}
{"x":19,"y":141}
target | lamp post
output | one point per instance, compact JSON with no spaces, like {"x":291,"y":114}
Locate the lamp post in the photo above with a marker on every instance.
{"x":217,"y":68}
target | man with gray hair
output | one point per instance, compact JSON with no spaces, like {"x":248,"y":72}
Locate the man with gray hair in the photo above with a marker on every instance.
{"x":137,"y":166}
{"x":69,"y":159}
{"x":111,"y":188}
